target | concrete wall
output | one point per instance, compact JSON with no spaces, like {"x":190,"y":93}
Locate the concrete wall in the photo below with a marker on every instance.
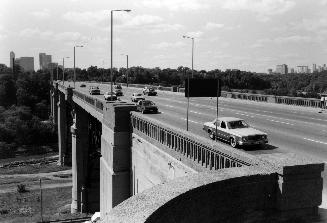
{"x":152,"y":166}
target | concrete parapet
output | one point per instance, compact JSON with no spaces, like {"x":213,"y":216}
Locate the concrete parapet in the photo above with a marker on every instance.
{"x":229,"y":195}
{"x":299,"y":180}
{"x":62,"y":128}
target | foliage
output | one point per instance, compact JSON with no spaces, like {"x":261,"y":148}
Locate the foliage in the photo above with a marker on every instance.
{"x":21,"y":188}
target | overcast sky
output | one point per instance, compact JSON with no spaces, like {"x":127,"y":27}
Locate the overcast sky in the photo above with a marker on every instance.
{"x":251,"y":35}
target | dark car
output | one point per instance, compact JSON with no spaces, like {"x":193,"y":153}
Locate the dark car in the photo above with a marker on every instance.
{"x":83,"y":85}
{"x":146,"y":106}
{"x":149,"y":91}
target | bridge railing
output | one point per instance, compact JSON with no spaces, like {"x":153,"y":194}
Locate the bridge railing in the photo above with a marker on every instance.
{"x":97,"y":104}
{"x":307,"y":102}
{"x":195,"y":148}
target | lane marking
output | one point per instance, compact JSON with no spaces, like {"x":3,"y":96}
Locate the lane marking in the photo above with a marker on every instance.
{"x":316,"y":141}
{"x":192,"y":121}
{"x":199,"y":113}
{"x":286,"y":123}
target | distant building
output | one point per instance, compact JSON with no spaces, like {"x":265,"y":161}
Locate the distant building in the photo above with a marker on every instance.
{"x":314,"y":68}
{"x":270,"y":71}
{"x":12,"y":59}
{"x":324,"y":67}
{"x":303,"y":69}
{"x":282,"y":69}
{"x":44,"y":60}
{"x":25,"y":63}
{"x":3,"y":67}
{"x":292,"y":70}
{"x":319,"y":68}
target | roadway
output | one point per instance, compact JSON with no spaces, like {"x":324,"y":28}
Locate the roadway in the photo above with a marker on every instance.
{"x":290,"y":128}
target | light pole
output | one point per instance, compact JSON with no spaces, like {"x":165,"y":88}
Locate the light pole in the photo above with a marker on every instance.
{"x":74,"y":64}
{"x":63,"y":69}
{"x":126,"y":69}
{"x":188,"y":82}
{"x":111,"y":34}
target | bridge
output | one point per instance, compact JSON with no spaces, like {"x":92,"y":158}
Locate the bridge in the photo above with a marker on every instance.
{"x":134,"y":167}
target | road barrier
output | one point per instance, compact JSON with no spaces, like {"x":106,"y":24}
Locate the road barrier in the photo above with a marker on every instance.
{"x":196,"y":148}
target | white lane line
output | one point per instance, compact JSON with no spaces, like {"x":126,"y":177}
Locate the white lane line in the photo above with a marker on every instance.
{"x":191,"y":121}
{"x":199,"y":113}
{"x":286,"y":123}
{"x":170,"y":106}
{"x":316,"y":141}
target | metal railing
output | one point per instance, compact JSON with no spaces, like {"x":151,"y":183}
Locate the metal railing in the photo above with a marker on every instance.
{"x":97,"y":104}
{"x":196,"y":148}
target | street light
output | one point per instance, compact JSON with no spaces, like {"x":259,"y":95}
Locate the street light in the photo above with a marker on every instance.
{"x":112,"y":12}
{"x":74,"y":64}
{"x":63,"y":69}
{"x":126,"y":68}
{"x":188,"y":81}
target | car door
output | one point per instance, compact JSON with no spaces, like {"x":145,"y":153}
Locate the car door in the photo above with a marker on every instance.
{"x":223,"y":130}
{"x":219,"y":133}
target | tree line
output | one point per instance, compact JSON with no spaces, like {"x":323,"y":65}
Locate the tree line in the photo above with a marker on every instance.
{"x":295,"y":85}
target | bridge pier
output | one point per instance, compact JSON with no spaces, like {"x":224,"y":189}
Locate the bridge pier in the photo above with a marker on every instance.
{"x":54,"y":104}
{"x":80,"y":144}
{"x":115,"y":150}
{"x":62,"y":128}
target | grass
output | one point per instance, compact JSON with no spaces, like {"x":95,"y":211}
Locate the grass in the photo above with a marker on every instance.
{"x":25,"y":207}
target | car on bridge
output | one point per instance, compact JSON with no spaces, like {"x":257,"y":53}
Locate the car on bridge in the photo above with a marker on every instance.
{"x":82,"y":85}
{"x":118,"y":90}
{"x":94,"y":90}
{"x":235,"y":131}
{"x":108,"y":96}
{"x":137,"y":97}
{"x":146,"y":106}
{"x":149,"y":91}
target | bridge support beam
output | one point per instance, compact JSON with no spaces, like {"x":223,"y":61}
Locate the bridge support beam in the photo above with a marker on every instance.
{"x":54,"y":104}
{"x":62,"y":128}
{"x":115,"y":151}
{"x":80,"y":144}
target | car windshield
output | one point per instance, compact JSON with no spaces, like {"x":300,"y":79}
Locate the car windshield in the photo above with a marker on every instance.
{"x":138,"y":94}
{"x":148,"y":103}
{"x":151,"y":89}
{"x":237,"y":124}
{"x":118,"y":87}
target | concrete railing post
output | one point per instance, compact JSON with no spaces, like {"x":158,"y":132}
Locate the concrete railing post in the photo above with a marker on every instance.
{"x":55,"y":103}
{"x":62,"y":128}
{"x":115,"y":151}
{"x":80,"y":144}
{"x":299,"y":183}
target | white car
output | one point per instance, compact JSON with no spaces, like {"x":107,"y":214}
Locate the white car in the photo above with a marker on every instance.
{"x":235,"y":131}
{"x":136,"y":97}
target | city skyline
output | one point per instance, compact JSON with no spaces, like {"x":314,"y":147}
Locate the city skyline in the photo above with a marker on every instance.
{"x":238,"y":34}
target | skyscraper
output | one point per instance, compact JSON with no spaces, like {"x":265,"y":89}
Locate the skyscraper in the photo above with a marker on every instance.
{"x":314,"y":68}
{"x":45,"y":60}
{"x":12,"y":59}
{"x":25,"y":63}
{"x":282,"y":69}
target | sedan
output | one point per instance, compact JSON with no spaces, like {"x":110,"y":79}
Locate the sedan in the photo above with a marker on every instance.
{"x":137,"y":97}
{"x":108,"y":96}
{"x":146,"y":106}
{"x":234,"y":131}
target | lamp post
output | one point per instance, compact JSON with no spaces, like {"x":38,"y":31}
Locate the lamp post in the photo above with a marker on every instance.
{"x":188,"y":82}
{"x":74,"y":64}
{"x":126,"y":69}
{"x":63,"y":69}
{"x":111,"y":35}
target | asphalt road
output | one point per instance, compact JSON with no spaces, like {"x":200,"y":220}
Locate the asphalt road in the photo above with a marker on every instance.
{"x":290,"y":128}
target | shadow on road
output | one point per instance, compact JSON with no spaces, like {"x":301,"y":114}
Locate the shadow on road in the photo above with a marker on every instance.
{"x":266,"y":147}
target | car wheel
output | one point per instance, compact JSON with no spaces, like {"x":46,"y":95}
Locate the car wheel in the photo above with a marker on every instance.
{"x":233,"y":142}
{"x":212,"y":135}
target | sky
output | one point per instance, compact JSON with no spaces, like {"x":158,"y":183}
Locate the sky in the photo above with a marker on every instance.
{"x":250,"y":35}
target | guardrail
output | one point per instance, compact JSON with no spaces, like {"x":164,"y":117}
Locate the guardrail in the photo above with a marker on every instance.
{"x":97,"y":104}
{"x":191,"y":146}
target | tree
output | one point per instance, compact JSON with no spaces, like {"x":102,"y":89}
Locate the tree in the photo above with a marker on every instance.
{"x":7,"y":90}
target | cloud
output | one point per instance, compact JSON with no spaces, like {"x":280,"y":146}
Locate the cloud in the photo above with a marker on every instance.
{"x":195,"y":34}
{"x":263,"y":8}
{"x":211,"y":26}
{"x":175,"y":5}
{"x":295,"y":39}
{"x":43,"y":14}
{"x":94,"y":18}
{"x":68,"y":36}
{"x":166,"y":45}
{"x":35,"y":32}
